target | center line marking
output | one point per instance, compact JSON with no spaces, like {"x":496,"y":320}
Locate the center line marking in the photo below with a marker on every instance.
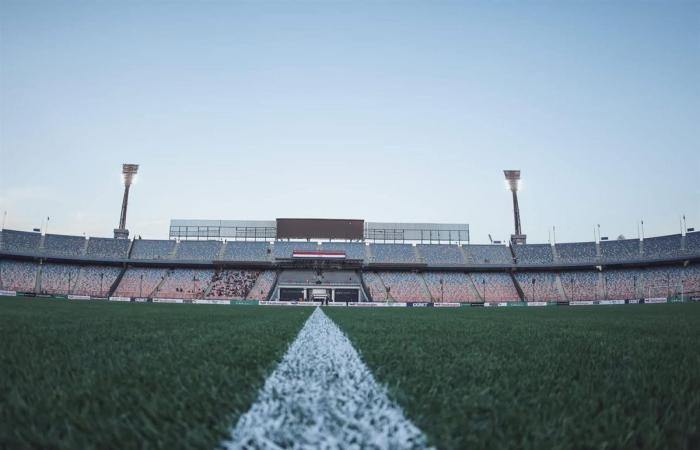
{"x":321,"y":395}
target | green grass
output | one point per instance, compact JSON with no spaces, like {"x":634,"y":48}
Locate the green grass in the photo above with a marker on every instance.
{"x":578,"y":377}
{"x":82,"y":375}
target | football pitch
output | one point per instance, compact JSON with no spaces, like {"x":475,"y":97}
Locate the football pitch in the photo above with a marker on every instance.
{"x":106,"y":375}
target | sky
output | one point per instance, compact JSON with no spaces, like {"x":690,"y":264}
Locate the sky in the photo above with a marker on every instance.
{"x":384,"y":111}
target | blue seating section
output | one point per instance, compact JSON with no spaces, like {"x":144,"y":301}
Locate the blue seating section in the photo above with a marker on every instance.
{"x":152,"y":249}
{"x":198,"y":250}
{"x":394,"y":253}
{"x":577,"y":252}
{"x":56,"y":244}
{"x":20,"y":241}
{"x":534,"y":254}
{"x":247,"y":251}
{"x":489,"y":254}
{"x":353,"y":250}
{"x":440,"y":254}
{"x":662,"y":247}
{"x":108,"y":248}
{"x":621,"y":250}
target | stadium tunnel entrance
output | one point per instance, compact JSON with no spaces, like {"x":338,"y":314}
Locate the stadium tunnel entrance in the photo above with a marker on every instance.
{"x":319,"y":285}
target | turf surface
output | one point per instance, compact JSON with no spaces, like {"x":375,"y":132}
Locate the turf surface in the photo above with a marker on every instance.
{"x":82,"y":375}
{"x":577,"y":377}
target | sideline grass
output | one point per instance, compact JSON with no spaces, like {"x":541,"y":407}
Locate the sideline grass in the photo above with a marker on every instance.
{"x":82,"y":375}
{"x":577,"y":377}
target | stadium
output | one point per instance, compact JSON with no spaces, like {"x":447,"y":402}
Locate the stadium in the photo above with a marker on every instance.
{"x":350,"y":263}
{"x":301,"y":225}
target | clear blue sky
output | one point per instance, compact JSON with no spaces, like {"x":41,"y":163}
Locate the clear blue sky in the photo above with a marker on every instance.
{"x":387,"y":111}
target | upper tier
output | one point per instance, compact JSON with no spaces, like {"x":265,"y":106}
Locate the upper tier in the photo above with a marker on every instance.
{"x":662,"y":248}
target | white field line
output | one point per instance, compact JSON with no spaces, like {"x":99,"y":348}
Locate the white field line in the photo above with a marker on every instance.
{"x":322,"y":395}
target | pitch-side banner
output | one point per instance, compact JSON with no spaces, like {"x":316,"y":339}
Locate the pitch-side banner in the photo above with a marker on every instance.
{"x":8,"y":293}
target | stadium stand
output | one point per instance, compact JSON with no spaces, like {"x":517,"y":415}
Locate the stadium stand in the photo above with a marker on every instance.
{"x":450,"y":287}
{"x":533,"y":254}
{"x":58,"y":278}
{"x":489,"y":254}
{"x":247,"y":251}
{"x":620,"y":250}
{"x":544,"y":289}
{"x":232,"y":284}
{"x":96,"y":280}
{"x":495,"y":287}
{"x":185,"y":283}
{"x":624,"y":284}
{"x":18,"y":276}
{"x":440,"y":254}
{"x":140,"y":282}
{"x":375,"y":285}
{"x":198,"y":250}
{"x":284,"y":249}
{"x":152,"y":249}
{"x":577,"y":252}
{"x":353,"y":250}
{"x":692,"y":243}
{"x":394,"y":253}
{"x":263,"y":285}
{"x":108,"y":248}
{"x":580,"y":285}
{"x":662,"y":247}
{"x":20,"y":241}
{"x":56,"y":244}
{"x":405,"y":286}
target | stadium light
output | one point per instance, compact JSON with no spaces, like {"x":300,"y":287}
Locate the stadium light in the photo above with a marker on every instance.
{"x":513,"y":181}
{"x":129,"y":172}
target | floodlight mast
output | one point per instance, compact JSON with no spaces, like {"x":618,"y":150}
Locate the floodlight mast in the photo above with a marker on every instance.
{"x":129,"y":171}
{"x":513,"y":179}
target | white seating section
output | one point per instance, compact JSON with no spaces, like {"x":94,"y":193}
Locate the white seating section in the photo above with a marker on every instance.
{"x":263,"y":285}
{"x":184,"y":283}
{"x":95,"y":280}
{"x":581,"y":285}
{"x":544,"y":289}
{"x":58,"y":278}
{"x":495,"y":287}
{"x":405,"y":286}
{"x":450,"y":287}
{"x":140,"y":282}
{"x":18,"y":276}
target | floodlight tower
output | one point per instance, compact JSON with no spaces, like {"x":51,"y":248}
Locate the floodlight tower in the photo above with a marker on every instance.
{"x":513,"y":179}
{"x":128,"y":173}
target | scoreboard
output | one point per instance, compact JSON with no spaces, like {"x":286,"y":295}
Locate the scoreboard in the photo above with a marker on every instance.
{"x":348,"y":229}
